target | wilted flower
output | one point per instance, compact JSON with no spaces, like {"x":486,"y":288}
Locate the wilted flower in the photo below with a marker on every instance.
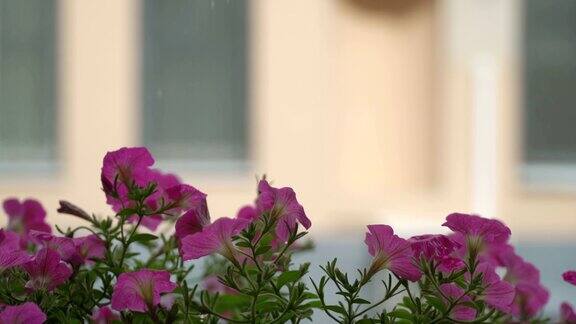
{"x":46,"y":271}
{"x":105,"y":315}
{"x":24,"y":217}
{"x":215,"y":238}
{"x":477,"y":230}
{"x":457,"y":295}
{"x":71,"y":209}
{"x":282,"y":205}
{"x":27,"y":313}
{"x":141,"y":290}
{"x":390,"y":252}
{"x":570,"y":277}
{"x":567,"y":314}
{"x":432,"y":246}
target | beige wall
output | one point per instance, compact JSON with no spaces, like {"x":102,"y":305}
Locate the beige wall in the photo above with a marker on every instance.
{"x":364,"y":110}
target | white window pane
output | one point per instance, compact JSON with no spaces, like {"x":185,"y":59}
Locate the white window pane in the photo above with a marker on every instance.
{"x":194,"y":87}
{"x":27,"y":80}
{"x":550,"y":81}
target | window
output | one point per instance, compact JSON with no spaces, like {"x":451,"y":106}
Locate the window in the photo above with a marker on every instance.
{"x":550,"y":91}
{"x":194,"y":80}
{"x":27,"y":82}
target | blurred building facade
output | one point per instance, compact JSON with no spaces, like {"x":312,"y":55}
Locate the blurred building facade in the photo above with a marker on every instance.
{"x":374,"y":111}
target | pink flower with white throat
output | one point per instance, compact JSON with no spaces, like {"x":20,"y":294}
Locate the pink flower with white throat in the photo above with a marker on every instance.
{"x":432,"y":246}
{"x":282,"y":205}
{"x":46,"y":271}
{"x":27,"y":313}
{"x":11,"y":255}
{"x":24,"y":217}
{"x":478,"y":231}
{"x":141,"y":290}
{"x":89,"y":248}
{"x":105,"y":315}
{"x":215,"y":238}
{"x":390,"y":252}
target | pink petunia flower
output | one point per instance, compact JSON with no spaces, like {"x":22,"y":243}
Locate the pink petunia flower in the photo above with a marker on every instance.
{"x":185,"y":197}
{"x":567,"y":314}
{"x":163,"y":181}
{"x":390,"y":252}
{"x":11,"y":255}
{"x":24,"y":217}
{"x":190,"y":223}
{"x":519,"y":270}
{"x":215,"y":238}
{"x":448,"y":264}
{"x":179,"y":197}
{"x":498,"y":254}
{"x":477,"y":230}
{"x":432,"y":246}
{"x":570,"y":277}
{"x":46,"y":271}
{"x":9,"y":240}
{"x":168,"y":190}
{"x":126,"y":165}
{"x":121,"y":169}
{"x":530,"y":299}
{"x":90,"y":247}
{"x":497,"y":292}
{"x":282,"y":205}
{"x":105,"y":315}
{"x":248,"y":212}
{"x":141,"y":290}
{"x":27,"y":313}
{"x":460,"y":312}
{"x":63,"y":245}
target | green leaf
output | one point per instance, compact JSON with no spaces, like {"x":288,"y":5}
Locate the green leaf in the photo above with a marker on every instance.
{"x":336,"y":309}
{"x":436,"y":303}
{"x":314,"y":304}
{"x":243,"y":244}
{"x":400,"y":313}
{"x":360,"y":301}
{"x":142,"y":237}
{"x":229,"y":302}
{"x":263,"y":249}
{"x":288,"y":276}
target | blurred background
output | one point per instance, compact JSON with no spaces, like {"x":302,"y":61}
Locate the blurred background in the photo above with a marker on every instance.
{"x":374,"y":111}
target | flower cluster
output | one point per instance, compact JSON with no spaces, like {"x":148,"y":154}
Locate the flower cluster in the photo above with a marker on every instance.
{"x":99,"y":272}
{"x":458,"y":276}
{"x":161,"y":258}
